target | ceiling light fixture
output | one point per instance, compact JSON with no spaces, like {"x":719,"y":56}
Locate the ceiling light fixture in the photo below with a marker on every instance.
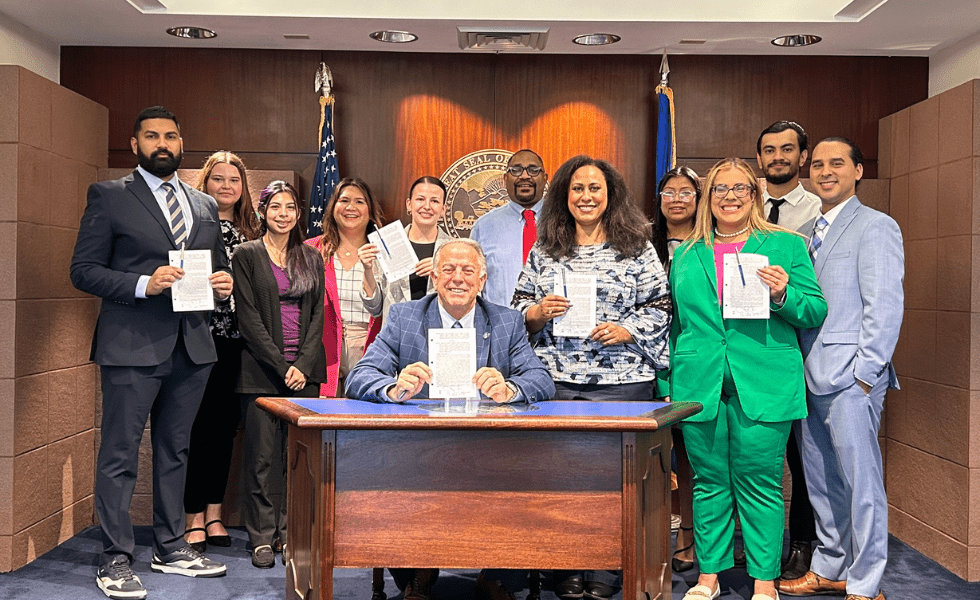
{"x":296,"y":36}
{"x":795,"y":41}
{"x":394,"y":37}
{"x":597,"y":39}
{"x":194,"y":33}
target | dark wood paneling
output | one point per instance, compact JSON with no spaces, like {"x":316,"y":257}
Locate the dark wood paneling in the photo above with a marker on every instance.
{"x":400,"y":115}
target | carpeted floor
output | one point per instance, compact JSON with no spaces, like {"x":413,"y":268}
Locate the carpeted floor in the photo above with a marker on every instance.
{"x":68,"y":573}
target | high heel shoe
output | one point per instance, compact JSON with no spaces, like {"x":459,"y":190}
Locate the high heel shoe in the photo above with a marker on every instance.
{"x":197,"y":546}
{"x":678,"y":565}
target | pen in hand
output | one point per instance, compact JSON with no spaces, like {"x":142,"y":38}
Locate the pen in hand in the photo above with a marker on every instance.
{"x":740,"y":271}
{"x":182,"y":245}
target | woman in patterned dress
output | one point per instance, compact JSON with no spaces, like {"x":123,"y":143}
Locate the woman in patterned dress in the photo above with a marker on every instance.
{"x":590,"y":225}
{"x":224,"y":178}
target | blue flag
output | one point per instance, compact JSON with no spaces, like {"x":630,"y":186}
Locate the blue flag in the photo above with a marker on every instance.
{"x":666,"y":152}
{"x":327,"y":172}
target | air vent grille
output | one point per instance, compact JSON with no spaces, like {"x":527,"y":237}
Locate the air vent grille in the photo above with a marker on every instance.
{"x":502,"y":40}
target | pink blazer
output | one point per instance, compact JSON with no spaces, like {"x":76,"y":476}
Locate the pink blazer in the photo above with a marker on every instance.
{"x":333,"y":326}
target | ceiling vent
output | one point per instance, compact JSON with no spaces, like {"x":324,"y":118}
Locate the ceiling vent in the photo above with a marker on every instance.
{"x":512,"y":39}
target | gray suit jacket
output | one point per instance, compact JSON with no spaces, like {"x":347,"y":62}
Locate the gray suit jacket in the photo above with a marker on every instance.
{"x":860,"y":267}
{"x":124,"y":234}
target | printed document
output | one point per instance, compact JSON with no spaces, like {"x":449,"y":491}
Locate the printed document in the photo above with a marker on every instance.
{"x":744,"y":295}
{"x":193,"y":291}
{"x":452,"y":358}
{"x":580,"y":290}
{"x":395,"y":253}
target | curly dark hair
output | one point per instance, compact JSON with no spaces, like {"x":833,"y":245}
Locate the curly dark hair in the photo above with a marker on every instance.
{"x":624,"y":223}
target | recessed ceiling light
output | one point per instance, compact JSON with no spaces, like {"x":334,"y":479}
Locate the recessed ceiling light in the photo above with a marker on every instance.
{"x":194,"y":33}
{"x":596,"y":39}
{"x":803,"y":39}
{"x":296,"y":36}
{"x":691,"y":42}
{"x":394,"y":37}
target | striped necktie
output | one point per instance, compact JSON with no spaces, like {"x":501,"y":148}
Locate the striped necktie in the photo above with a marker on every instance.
{"x":818,"y":232}
{"x":178,"y":227}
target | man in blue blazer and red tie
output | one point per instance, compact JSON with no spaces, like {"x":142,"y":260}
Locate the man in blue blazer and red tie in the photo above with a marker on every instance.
{"x":860,"y":265}
{"x":154,"y":361}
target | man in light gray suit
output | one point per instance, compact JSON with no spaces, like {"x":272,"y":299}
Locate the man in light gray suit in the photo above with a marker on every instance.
{"x":860,"y":264}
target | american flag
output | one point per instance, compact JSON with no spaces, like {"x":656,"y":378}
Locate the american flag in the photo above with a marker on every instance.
{"x":327,"y":172}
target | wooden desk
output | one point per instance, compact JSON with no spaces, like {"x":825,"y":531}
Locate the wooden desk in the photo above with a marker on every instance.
{"x":564,"y":485}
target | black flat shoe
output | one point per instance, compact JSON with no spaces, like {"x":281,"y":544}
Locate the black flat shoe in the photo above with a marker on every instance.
{"x":222,"y":541}
{"x":678,"y":565}
{"x":197,"y":546}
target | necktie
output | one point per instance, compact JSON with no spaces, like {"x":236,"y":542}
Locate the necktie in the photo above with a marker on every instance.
{"x":457,"y":325}
{"x":774,"y":211}
{"x":818,"y":232}
{"x":178,"y":228}
{"x":530,"y":231}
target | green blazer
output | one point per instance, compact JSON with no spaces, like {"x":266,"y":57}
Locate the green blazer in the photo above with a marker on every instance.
{"x":763,"y":354}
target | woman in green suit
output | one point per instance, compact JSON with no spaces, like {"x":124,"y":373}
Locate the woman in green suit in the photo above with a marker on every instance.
{"x":748,"y":374}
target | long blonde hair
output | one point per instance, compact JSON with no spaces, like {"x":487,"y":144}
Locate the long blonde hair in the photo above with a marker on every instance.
{"x":704,"y":224}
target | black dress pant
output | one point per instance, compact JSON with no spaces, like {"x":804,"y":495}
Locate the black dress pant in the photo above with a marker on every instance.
{"x":169,"y":394}
{"x":213,"y":435}
{"x":264,"y":467}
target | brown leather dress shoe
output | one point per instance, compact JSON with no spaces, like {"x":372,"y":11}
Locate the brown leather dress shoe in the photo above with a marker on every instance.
{"x":880,"y":596}
{"x":811,"y":584}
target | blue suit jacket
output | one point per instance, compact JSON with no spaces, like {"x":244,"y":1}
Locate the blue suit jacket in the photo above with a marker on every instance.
{"x":123,"y":234}
{"x":860,"y":267}
{"x":501,"y":343}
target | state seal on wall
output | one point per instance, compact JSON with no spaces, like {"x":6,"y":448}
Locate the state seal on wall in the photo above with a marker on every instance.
{"x":474,"y":186}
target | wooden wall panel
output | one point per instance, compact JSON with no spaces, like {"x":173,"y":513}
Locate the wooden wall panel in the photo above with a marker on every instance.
{"x":402,"y":115}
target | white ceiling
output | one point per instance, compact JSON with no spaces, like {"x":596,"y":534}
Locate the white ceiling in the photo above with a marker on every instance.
{"x":858,"y":27}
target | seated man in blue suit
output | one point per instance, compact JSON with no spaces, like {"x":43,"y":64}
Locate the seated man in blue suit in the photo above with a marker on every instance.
{"x":395,"y":366}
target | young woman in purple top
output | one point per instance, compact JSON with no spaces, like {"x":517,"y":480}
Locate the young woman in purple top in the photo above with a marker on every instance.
{"x":279,"y":296}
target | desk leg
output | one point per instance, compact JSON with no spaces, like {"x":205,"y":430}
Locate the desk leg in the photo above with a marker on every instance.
{"x":646,"y":516}
{"x":309,"y":514}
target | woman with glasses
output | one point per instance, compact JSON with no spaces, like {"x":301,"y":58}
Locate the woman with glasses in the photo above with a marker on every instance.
{"x":426,"y":205}
{"x":677,"y":204}
{"x":591,"y":226}
{"x":748,"y":374}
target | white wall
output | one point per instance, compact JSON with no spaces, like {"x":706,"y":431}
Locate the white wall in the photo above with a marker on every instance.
{"x":29,"y":49}
{"x":954,"y":65}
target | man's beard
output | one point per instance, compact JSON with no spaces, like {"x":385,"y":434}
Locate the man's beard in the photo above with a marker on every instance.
{"x":778,"y":179}
{"x":161,"y":163}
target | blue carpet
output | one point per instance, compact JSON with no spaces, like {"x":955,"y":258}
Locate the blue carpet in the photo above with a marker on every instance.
{"x":68,"y":573}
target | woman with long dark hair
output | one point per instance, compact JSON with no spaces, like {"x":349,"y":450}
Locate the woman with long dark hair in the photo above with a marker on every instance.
{"x":591,"y":225}
{"x":279,"y":296}
{"x":225,"y":179}
{"x":349,"y":323}
{"x":678,"y":195}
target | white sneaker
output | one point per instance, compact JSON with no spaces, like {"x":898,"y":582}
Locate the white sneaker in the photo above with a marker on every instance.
{"x":117,"y":580}
{"x":189,"y":562}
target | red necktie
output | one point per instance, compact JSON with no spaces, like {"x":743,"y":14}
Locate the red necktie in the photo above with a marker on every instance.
{"x":530,"y":231}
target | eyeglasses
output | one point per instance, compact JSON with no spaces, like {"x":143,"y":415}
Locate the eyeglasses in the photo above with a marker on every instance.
{"x":685,"y":196}
{"x":532,"y":170}
{"x":741,"y":190}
